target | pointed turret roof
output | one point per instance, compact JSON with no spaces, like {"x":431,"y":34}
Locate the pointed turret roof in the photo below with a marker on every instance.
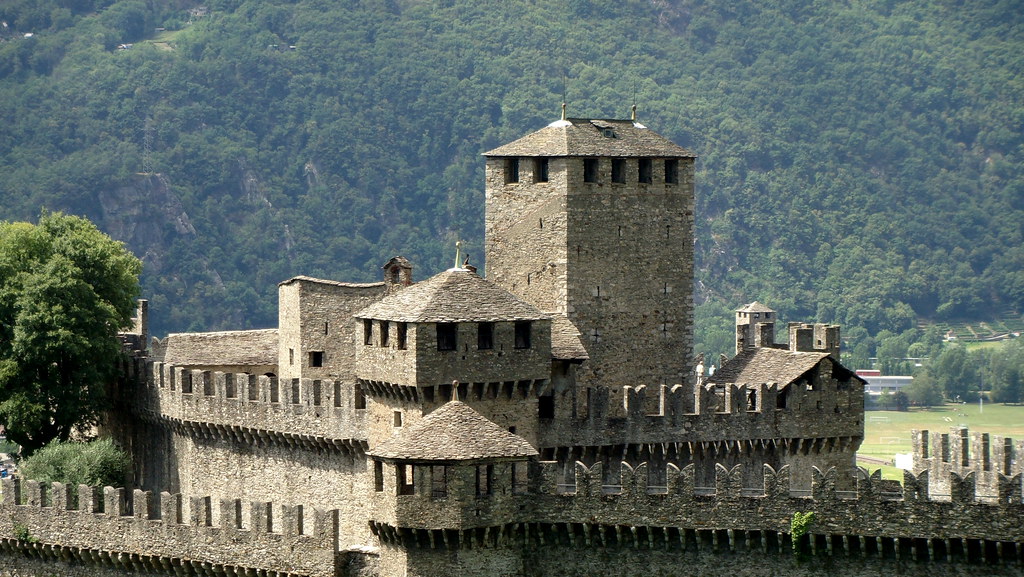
{"x":455,"y":295}
{"x":454,"y":432}
{"x":593,"y":137}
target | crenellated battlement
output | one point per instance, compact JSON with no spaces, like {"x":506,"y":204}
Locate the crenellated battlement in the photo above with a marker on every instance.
{"x":252,"y":408}
{"x":961,"y":452}
{"x":711,"y":412}
{"x":134,"y":529}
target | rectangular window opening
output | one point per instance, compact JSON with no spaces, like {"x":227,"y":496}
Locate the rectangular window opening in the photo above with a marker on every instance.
{"x":619,"y":170}
{"x":402,"y":335}
{"x":520,"y":478}
{"x":645,"y":171}
{"x":360,"y":396}
{"x":511,"y":170}
{"x":405,"y":479}
{"x":671,"y":171}
{"x":367,"y":332}
{"x":546,"y":407}
{"x":485,"y":336}
{"x":296,"y":393}
{"x":398,"y":419}
{"x":523,"y":334}
{"x":589,"y":170}
{"x":540,"y":170}
{"x":316,"y":358}
{"x":438,"y":481}
{"x":337,"y":393}
{"x":484,"y":480}
{"x":385,"y":329}
{"x":446,"y":336}
{"x":378,"y":476}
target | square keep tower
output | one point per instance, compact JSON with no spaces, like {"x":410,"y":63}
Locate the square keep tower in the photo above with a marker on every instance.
{"x":593,"y":219}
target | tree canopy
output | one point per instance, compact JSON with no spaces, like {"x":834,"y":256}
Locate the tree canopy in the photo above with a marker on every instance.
{"x":860,"y":162}
{"x":65,"y":291}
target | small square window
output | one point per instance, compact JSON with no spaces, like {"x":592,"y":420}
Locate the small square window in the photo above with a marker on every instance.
{"x":316,"y":358}
{"x":589,"y":170}
{"x":511,"y":170}
{"x":619,"y":170}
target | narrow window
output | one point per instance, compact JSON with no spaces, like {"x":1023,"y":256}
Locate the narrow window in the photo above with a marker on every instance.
{"x":782,"y":398}
{"x":540,"y":170}
{"x":589,"y":170}
{"x":438,"y":481}
{"x":384,"y":333}
{"x":337,"y":393}
{"x":398,"y":418}
{"x":291,"y":356}
{"x":484,"y":477}
{"x":520,"y":478}
{"x":274,"y":391}
{"x":511,"y":170}
{"x":403,"y":330}
{"x":367,"y":332}
{"x":485,"y":336}
{"x":317,"y":394}
{"x":522,"y":334}
{"x":671,"y":170}
{"x":325,"y":328}
{"x":396,"y":275}
{"x":359,"y":397}
{"x":296,"y":393}
{"x":446,"y":333}
{"x":644,"y":171}
{"x":316,"y":358}
{"x":546,"y":407}
{"x":619,"y":170}
{"x":378,"y":476}
{"x":405,"y":480}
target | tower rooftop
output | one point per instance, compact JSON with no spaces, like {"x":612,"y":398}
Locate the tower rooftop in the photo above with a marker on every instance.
{"x":593,"y":137}
{"x":454,"y":432}
{"x":455,"y":295}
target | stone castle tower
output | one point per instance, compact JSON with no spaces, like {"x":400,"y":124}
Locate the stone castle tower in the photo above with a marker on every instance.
{"x":593,"y":220}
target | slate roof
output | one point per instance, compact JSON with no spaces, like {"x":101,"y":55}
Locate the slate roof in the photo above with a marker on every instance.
{"x":755,"y":307}
{"x":330,"y":282}
{"x":565,"y":340}
{"x":587,"y":137}
{"x":453,"y":432}
{"x":455,"y":295}
{"x":766,"y":365}
{"x":225,"y":348}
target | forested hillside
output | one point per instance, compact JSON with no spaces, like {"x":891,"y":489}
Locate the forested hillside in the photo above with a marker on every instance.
{"x":861,"y":161}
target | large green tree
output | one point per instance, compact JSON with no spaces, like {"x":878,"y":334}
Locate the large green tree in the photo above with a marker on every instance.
{"x":65,"y":291}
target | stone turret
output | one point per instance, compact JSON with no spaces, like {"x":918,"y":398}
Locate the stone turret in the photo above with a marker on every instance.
{"x":755,"y":327}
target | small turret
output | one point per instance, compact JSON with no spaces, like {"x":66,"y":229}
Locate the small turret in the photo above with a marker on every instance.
{"x":755,"y":327}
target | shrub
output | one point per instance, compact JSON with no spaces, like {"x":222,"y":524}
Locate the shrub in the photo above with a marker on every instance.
{"x":98,"y":463}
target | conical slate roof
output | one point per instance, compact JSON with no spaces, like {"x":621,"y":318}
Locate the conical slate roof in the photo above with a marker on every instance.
{"x":455,"y":295}
{"x":454,"y":432}
{"x":588,"y":137}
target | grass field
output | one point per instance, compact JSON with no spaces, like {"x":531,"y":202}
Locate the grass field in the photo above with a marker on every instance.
{"x":888,"y":432}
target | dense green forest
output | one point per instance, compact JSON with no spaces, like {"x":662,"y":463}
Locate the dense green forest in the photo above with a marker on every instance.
{"x":861,"y":161}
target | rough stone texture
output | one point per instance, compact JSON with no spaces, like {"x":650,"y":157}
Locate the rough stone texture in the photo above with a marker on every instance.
{"x":227,"y":351}
{"x":315,"y":316}
{"x":615,"y":258}
{"x":644,"y":467}
{"x":987,"y":457}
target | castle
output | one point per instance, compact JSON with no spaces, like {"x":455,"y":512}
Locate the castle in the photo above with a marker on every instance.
{"x":546,"y":420}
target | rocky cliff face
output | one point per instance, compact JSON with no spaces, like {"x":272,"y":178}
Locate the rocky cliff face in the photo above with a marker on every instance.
{"x":146,"y":215}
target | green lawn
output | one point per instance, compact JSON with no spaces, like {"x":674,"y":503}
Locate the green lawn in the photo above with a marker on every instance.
{"x":888,"y":432}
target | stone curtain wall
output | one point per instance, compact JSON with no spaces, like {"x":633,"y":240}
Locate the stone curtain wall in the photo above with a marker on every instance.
{"x":170,"y":535}
{"x":962,"y":452}
{"x":878,"y":527}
